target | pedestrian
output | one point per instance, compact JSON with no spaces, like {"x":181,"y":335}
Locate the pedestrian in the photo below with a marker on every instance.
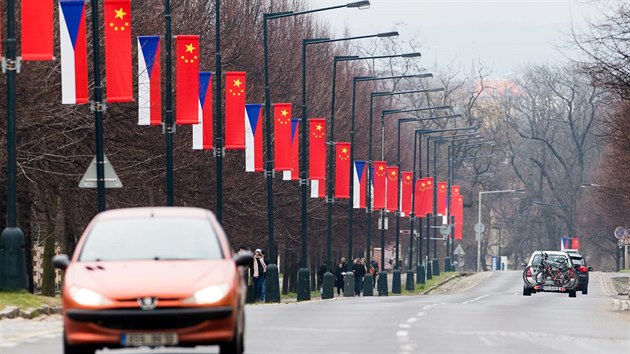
{"x":374,"y":264}
{"x":359,"y":272}
{"x":339,"y":274}
{"x":320,"y":275}
{"x":257,"y":273}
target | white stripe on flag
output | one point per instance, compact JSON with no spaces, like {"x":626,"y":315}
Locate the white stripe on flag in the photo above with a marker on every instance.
{"x":314,"y":188}
{"x":197,"y":130}
{"x":144,"y":90}
{"x":250,"y":150}
{"x":356,"y":189}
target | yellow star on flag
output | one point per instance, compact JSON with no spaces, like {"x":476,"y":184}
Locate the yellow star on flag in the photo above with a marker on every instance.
{"x":284,"y":112}
{"x":237,"y":83}
{"x":344,"y":150}
{"x":190,"y":48}
{"x":381,"y":168}
{"x":318,"y":127}
{"x":120,"y":13}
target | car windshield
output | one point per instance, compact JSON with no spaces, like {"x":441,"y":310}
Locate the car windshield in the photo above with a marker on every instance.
{"x":151,"y":239}
{"x":553,"y":258}
{"x":577,"y":261}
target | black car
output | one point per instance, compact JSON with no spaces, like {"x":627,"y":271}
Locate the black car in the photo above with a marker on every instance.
{"x":579,"y":263}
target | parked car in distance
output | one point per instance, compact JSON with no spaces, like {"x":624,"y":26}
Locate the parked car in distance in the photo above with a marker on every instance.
{"x":530,"y":286}
{"x":579,"y":263}
{"x":159,"y":276}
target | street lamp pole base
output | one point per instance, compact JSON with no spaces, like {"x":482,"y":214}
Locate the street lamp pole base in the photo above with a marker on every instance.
{"x":420,"y":274}
{"x":303,"y":285}
{"x":396,"y":282}
{"x":382,"y":284}
{"x":272,"y":284}
{"x":447,"y":264}
{"x":410,"y":284}
{"x":436,"y":266}
{"x":327,"y":286}
{"x":368,"y":285}
{"x":429,"y":271}
{"x":12,"y":261}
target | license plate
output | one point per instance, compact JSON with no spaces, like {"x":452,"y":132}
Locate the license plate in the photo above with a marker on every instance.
{"x":148,"y":339}
{"x":553,"y":288}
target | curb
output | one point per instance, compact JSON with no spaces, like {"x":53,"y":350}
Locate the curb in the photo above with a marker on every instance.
{"x":436,"y":286}
{"x":10,"y":312}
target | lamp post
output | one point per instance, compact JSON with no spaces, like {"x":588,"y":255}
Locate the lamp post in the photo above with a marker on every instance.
{"x":331,"y":140}
{"x":479,"y":227}
{"x":303,"y":292}
{"x":273,"y":293}
{"x":218,"y":138}
{"x":12,"y":258}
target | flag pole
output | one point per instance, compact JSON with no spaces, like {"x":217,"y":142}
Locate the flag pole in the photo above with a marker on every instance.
{"x":218,"y":141}
{"x":168,"y":127}
{"x":98,"y":107}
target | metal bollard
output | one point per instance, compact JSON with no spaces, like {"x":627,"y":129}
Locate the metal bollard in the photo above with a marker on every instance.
{"x":272,"y":284}
{"x":327,"y":285}
{"x":12,"y":270}
{"x":447,"y":264}
{"x":396,"y":282}
{"x":251,"y":293}
{"x":382,"y":284}
{"x":368,"y":288}
{"x":436,"y":266}
{"x":348,"y":284}
{"x":429,"y":272}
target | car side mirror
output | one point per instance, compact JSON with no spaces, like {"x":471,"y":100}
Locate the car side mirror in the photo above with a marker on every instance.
{"x":590,"y":269}
{"x":243,"y":258}
{"x":61,"y":261}
{"x":523,"y":264}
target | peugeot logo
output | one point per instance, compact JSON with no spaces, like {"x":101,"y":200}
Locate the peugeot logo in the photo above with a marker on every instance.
{"x":147,"y":303}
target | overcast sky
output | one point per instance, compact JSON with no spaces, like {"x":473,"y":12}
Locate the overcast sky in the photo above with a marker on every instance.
{"x":502,"y":34}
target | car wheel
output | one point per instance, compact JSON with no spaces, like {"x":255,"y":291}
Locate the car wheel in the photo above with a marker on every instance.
{"x":77,"y":349}
{"x":527,"y":291}
{"x":572,"y":293}
{"x":585,"y":290}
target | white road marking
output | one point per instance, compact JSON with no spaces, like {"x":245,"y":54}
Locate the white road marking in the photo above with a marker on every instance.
{"x":475,"y":299}
{"x":420,"y":314}
{"x":486,"y":341}
{"x":404,"y":325}
{"x":402,"y":334}
{"x":412,"y":320}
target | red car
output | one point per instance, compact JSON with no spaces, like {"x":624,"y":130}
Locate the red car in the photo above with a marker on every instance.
{"x":153,"y":277}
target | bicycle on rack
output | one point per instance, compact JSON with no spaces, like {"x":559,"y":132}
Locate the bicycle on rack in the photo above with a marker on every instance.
{"x":558,"y":272}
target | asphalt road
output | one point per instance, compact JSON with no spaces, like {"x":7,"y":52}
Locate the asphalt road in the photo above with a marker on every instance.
{"x":491,"y":317}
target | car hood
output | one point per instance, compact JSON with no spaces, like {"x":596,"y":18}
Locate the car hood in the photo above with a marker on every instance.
{"x":123,"y":280}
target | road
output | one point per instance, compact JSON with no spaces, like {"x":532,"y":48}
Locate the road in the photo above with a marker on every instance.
{"x":491,"y":317}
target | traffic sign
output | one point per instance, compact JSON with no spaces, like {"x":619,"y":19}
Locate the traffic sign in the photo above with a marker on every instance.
{"x":445,"y":230}
{"x":459,"y":251}
{"x":480,"y":228}
{"x":89,"y":177}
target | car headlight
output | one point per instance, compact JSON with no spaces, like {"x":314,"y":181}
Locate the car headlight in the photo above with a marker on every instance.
{"x":208,"y":295}
{"x":87,"y":297}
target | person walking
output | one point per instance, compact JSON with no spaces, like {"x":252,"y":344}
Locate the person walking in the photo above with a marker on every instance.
{"x":358,"y":268}
{"x":340,"y":271}
{"x":374,"y":264}
{"x":257,"y":271}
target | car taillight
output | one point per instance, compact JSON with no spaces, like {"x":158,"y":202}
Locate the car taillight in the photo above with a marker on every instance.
{"x":582,"y":269}
{"x":529,"y":272}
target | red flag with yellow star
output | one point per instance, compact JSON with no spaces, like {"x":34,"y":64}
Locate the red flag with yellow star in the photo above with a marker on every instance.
{"x":37,"y":30}
{"x":235,"y":96}
{"x":441,"y":195}
{"x":342,"y":171}
{"x":380,"y":183}
{"x":317,"y":149}
{"x":117,"y":14}
{"x":405,"y":193}
{"x":282,"y":136}
{"x":458,"y":212}
{"x":187,"y":83}
{"x":392,"y":188}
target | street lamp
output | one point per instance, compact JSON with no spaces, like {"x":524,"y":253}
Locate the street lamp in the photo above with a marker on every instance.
{"x":303,"y":292}
{"x":480,"y":228}
{"x":273,"y":293}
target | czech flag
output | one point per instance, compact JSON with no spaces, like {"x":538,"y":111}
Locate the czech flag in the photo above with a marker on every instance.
{"x":149,"y":81}
{"x":253,"y":138}
{"x":358,"y":191}
{"x":74,"y":78}
{"x":202,"y":132}
{"x":293,"y":174}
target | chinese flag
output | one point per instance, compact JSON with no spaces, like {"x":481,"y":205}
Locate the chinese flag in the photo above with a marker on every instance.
{"x":342,"y":171}
{"x":392,"y":188}
{"x":235,"y":85}
{"x":424,"y":197}
{"x":455,"y":190}
{"x":37,"y":30}
{"x":380,"y":172}
{"x":282,"y":136}
{"x":317,"y":149}
{"x":187,"y":79}
{"x":418,"y":197}
{"x":405,"y":194}
{"x":458,"y":213}
{"x":575,"y":243}
{"x":441,"y":195}
{"x":117,"y":15}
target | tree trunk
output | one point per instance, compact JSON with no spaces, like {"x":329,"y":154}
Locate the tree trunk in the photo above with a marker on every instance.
{"x":48,"y":277}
